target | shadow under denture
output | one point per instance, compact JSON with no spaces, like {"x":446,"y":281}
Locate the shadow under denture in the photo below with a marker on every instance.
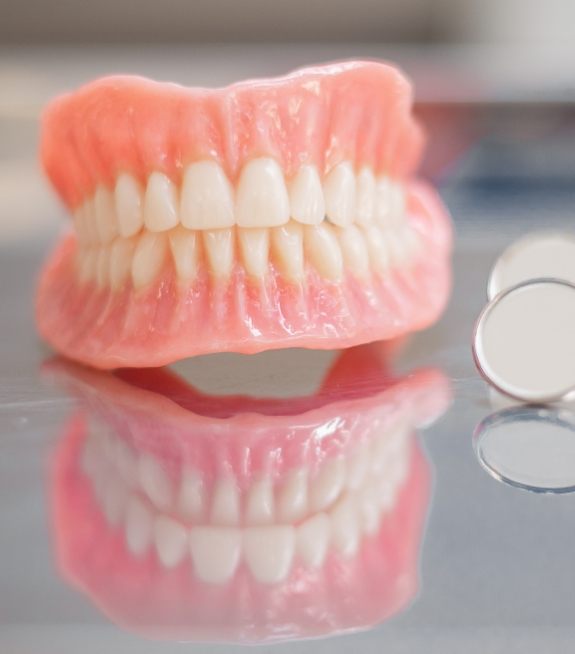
{"x":256,"y":526}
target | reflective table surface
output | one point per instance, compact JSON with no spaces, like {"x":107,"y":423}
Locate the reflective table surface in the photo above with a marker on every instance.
{"x":331,"y":500}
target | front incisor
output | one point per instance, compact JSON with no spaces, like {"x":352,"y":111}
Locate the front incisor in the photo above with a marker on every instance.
{"x":261,"y":196}
{"x":207,"y":198}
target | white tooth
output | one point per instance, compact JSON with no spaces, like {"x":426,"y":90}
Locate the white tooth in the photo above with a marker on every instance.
{"x":154,"y":481}
{"x":114,"y":500}
{"x":269,"y":551}
{"x":219,"y":245}
{"x":377,"y":247}
{"x":149,"y":258}
{"x":354,"y":249}
{"x":292,"y":500}
{"x":125,"y":461}
{"x":103,"y":267}
{"x":397,"y":203}
{"x":207,"y":199}
{"x":225,"y":502}
{"x":322,"y":248}
{"x":129,"y":196}
{"x":312,"y":538}
{"x":105,"y":214}
{"x":306,"y":196}
{"x":87,"y":264}
{"x":358,"y":466}
{"x":383,"y":201}
{"x":262,"y":199}
{"x":339,"y":193}
{"x":387,"y":493}
{"x":92,"y":233}
{"x":287,"y":249}
{"x":160,"y":203}
{"x":185,"y":247}
{"x":138,"y":527}
{"x":121,"y":256}
{"x":369,"y":513}
{"x":254,"y":245}
{"x":171,"y":540}
{"x":260,"y":503}
{"x":345,"y":526}
{"x":191,"y":498}
{"x":80,"y":224}
{"x":327,"y":484}
{"x":365,"y":197}
{"x":215,"y":552}
{"x":397,"y":247}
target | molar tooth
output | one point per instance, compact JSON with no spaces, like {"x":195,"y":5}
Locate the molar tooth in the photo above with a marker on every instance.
{"x":121,"y":255}
{"x":260,"y":503}
{"x":207,"y":198}
{"x":138,"y":527}
{"x":105,"y":214}
{"x":191,"y":497}
{"x":129,"y":197}
{"x":160,"y":203}
{"x":306,"y":196}
{"x":312,"y":538}
{"x":226,"y":502}
{"x":339,"y":193}
{"x":154,"y":481}
{"x":219,"y":244}
{"x":287,"y":249}
{"x":269,"y":552}
{"x":365,"y":197}
{"x":377,"y":248}
{"x":171,"y":540}
{"x":215,"y":553}
{"x":254,"y":245}
{"x":292,"y":501}
{"x":103,"y":267}
{"x":185,"y":245}
{"x":323,"y":250}
{"x":328,"y":484}
{"x":262,"y":199}
{"x":354,"y":249}
{"x":345,"y":526}
{"x":149,"y":258}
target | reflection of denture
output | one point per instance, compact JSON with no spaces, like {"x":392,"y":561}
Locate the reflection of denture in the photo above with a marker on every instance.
{"x":262,"y":215}
{"x":280,"y":519}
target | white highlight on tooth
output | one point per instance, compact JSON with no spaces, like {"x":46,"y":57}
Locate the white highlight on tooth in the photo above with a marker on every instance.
{"x":185,"y":248}
{"x":121,"y":255}
{"x":207,"y":197}
{"x":339,"y":194}
{"x":287,"y":249}
{"x":260,"y":503}
{"x":269,"y":551}
{"x":345,"y":526}
{"x":322,"y":248}
{"x":171,"y":540}
{"x":219,"y":245}
{"x":154,"y":481}
{"x":312,"y":539}
{"x":215,"y":552}
{"x":261,"y":197}
{"x":105,"y":215}
{"x":292,"y":499}
{"x":138,"y":527}
{"x":160,"y":203}
{"x":254,"y":246}
{"x":365,"y":197}
{"x":191,"y":497}
{"x":129,"y":201}
{"x":225,"y":502}
{"x":306,"y":196}
{"x":149,"y":257}
{"x":328,"y":483}
{"x":354,"y":249}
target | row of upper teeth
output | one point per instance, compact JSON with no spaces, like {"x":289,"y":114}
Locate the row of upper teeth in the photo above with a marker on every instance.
{"x":268,"y":549}
{"x":329,"y":250}
{"x":262,"y":198}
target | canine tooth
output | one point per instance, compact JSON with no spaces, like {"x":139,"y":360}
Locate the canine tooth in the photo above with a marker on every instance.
{"x":254,"y":245}
{"x":268,"y":552}
{"x":292,"y":500}
{"x":344,"y":526}
{"x":260,"y":503}
{"x":287,"y":249}
{"x":160,"y":203}
{"x":138,"y":527}
{"x":215,"y":552}
{"x":171,"y":540}
{"x":219,"y":244}
{"x":312,"y":538}
{"x":225,"y":502}
{"x":129,"y":198}
{"x":306,"y":196}
{"x":105,"y":215}
{"x":377,"y":248}
{"x":121,"y":255}
{"x":357,"y":467}
{"x":185,"y":245}
{"x":328,"y":484}
{"x":207,"y":199}
{"x":365,"y":197}
{"x":339,"y":193}
{"x":103,"y":267}
{"x":321,"y":246}
{"x":149,"y":257}
{"x":154,"y":482}
{"x":262,"y":199}
{"x":354,"y":249}
{"x":191,"y":497}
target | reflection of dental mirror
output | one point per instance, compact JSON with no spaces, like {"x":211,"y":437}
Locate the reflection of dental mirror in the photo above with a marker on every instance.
{"x":532,"y":448}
